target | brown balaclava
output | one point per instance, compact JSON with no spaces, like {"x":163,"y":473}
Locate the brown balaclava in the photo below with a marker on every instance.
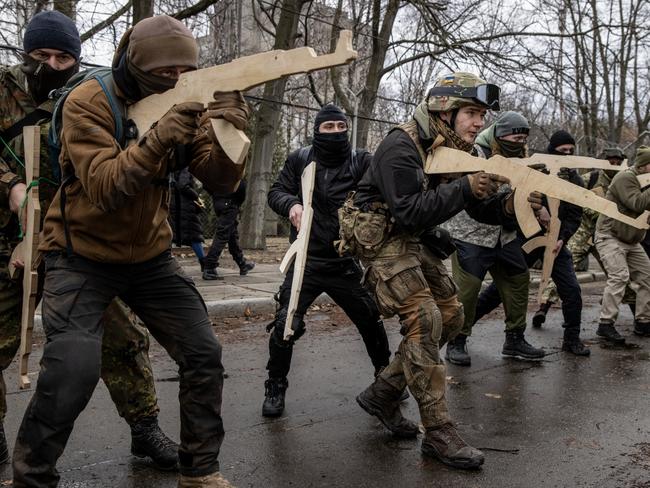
{"x":159,"y":42}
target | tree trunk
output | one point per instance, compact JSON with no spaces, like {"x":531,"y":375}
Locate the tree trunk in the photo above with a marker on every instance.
{"x":267,"y":121}
{"x":141,"y":10}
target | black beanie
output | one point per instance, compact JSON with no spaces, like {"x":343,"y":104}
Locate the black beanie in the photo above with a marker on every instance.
{"x":328,"y":112}
{"x":52,"y":30}
{"x":559,"y":138}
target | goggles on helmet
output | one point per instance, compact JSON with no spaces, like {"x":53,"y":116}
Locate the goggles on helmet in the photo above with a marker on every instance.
{"x":486,"y":94}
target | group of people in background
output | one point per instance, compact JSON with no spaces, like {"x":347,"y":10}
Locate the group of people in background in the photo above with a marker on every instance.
{"x":381,"y":232}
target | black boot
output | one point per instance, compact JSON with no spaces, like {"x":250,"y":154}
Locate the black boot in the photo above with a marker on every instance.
{"x":457,"y":351}
{"x":275,"y":389}
{"x":210,"y":274}
{"x":245,"y":266}
{"x":4,"y":452}
{"x":202,"y":264}
{"x":642,"y":328}
{"x":516,"y":346}
{"x":381,"y":399}
{"x":147,"y":440}
{"x":444,"y":444}
{"x":608,"y":332}
{"x":540,"y":316}
{"x":572,"y":342}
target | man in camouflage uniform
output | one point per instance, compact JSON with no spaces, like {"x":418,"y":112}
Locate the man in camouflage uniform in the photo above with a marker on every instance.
{"x":53,"y":48}
{"x":495,"y":248}
{"x":581,"y":243}
{"x":391,"y":225}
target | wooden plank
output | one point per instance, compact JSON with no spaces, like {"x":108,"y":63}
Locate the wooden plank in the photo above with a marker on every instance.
{"x":32,"y":139}
{"x":241,"y":74}
{"x":297,"y":253}
{"x":525,"y":179}
{"x":548,"y":241}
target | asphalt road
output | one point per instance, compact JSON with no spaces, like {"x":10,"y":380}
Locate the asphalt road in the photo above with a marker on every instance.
{"x":563,"y":422}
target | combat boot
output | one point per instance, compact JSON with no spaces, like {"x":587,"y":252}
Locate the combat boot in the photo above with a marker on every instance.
{"x":642,"y":328}
{"x":214,"y":480}
{"x":4,"y":452}
{"x":540,"y":316}
{"x":457,"y":351}
{"x":211,"y":274}
{"x":273,"y":405}
{"x":147,"y":440}
{"x":516,"y":346}
{"x":382,"y":400}
{"x":608,"y":332}
{"x":405,"y":393}
{"x":572,"y":342}
{"x":245,"y":266}
{"x":444,"y":444}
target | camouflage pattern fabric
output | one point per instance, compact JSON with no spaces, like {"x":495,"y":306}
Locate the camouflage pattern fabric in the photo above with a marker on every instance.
{"x":126,"y":368}
{"x":407,"y":280}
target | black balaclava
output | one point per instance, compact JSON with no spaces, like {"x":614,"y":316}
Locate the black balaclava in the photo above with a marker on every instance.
{"x":331,"y":149}
{"x":42,"y":78}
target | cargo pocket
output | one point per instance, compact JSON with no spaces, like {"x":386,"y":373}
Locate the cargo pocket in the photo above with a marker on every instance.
{"x":60,"y":296}
{"x":393,"y":282}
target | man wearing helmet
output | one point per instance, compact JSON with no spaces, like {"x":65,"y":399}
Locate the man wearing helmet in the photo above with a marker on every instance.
{"x":390,"y":223}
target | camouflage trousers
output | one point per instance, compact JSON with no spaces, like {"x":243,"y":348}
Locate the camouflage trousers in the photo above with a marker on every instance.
{"x":407,"y":280}
{"x":125,"y":368}
{"x":624,"y":264}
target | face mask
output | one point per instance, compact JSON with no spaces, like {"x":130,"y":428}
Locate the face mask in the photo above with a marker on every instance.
{"x":331,"y":149}
{"x":511,"y":149}
{"x":150,"y":84}
{"x":42,"y":78}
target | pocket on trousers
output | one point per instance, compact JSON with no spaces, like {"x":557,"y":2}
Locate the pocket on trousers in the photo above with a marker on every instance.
{"x":394,"y":291}
{"x":60,"y":296}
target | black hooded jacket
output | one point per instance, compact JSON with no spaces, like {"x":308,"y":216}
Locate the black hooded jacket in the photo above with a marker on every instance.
{"x":331,"y":189}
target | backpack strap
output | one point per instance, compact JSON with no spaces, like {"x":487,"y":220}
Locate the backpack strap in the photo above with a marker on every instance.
{"x":30,"y":119}
{"x":304,"y":156}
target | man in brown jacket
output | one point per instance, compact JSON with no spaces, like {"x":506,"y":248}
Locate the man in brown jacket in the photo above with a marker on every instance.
{"x":622,"y":255}
{"x":106,"y":235}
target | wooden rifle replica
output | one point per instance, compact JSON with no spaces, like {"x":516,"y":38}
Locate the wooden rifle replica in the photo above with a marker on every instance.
{"x":526,"y":179}
{"x":28,"y":251}
{"x":241,"y":74}
{"x":554,"y":164}
{"x":297,"y":252}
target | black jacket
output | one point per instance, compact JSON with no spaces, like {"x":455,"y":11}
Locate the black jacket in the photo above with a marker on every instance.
{"x":395,"y":177}
{"x":331,"y":188}
{"x":221,"y":203}
{"x":570,"y":215}
{"x":185,"y":223}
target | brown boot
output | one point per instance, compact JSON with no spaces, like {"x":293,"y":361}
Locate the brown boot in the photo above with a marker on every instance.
{"x":444,"y":444}
{"x":214,"y":480}
{"x":381,"y":399}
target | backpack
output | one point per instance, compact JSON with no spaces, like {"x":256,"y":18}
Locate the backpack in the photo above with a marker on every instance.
{"x":304,"y":156}
{"x":104,"y":77}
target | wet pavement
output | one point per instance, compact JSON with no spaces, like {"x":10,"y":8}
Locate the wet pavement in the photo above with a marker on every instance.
{"x":562,"y":422}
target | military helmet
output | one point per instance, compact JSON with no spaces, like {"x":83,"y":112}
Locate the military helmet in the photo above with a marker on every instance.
{"x":613,"y":153}
{"x":459,"y":89}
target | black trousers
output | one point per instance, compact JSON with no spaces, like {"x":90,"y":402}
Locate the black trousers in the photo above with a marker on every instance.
{"x":225,"y":234}
{"x":341,"y":280}
{"x":76,"y":293}
{"x":565,"y":279}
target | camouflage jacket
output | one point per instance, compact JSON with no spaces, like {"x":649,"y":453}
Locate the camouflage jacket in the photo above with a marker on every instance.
{"x":464,"y":228}
{"x":16,"y":103}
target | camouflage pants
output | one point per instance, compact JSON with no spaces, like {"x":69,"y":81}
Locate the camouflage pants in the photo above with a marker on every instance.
{"x":624,"y":264}
{"x":407,"y":280}
{"x":126,"y":369}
